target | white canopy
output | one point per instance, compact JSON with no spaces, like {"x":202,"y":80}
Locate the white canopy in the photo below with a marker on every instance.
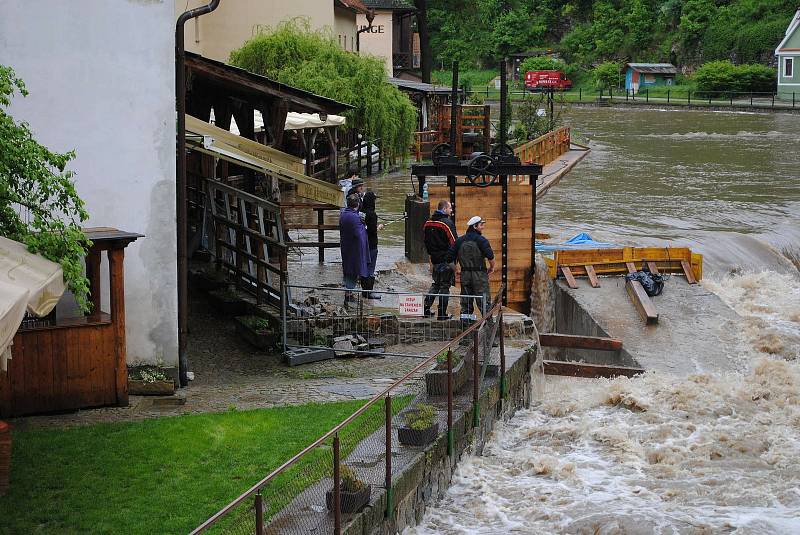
{"x":27,"y":282}
{"x":297,"y":121}
{"x":294,"y":121}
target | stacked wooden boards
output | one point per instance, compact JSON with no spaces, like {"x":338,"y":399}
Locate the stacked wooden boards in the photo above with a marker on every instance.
{"x":613,"y":261}
{"x":487,"y":203}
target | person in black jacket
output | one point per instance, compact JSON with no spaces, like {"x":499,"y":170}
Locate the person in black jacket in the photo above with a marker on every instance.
{"x":472,"y":250}
{"x":371,"y":222}
{"x":440,"y":235}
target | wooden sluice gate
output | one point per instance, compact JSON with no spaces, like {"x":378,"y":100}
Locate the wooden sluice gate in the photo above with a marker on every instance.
{"x":590,"y":263}
{"x":509,"y":209}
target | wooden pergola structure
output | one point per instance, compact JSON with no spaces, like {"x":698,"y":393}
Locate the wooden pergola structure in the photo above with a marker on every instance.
{"x":235,"y":93}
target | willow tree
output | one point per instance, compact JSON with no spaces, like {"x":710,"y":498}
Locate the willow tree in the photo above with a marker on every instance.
{"x":312,"y":60}
{"x":39,"y":205}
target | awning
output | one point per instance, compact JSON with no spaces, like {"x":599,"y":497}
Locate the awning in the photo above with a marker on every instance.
{"x":298,"y":121}
{"x":27,"y":282}
{"x":294,"y":121}
{"x":210,"y":139}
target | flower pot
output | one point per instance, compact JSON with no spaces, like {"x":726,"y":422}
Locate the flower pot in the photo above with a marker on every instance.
{"x":155,"y":388}
{"x":436,"y":380}
{"x":5,"y":456}
{"x":261,"y":339}
{"x":418,"y":437}
{"x":351,"y":502}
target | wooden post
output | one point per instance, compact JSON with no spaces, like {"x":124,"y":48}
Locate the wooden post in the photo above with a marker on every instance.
{"x":476,"y":387}
{"x":503,"y":385}
{"x":450,"y":438}
{"x":337,"y":490}
{"x":93,"y":274}
{"x":487,"y":127}
{"x":321,"y":235}
{"x":388,"y":480}
{"x":116,"y":271}
{"x":259,"y":507}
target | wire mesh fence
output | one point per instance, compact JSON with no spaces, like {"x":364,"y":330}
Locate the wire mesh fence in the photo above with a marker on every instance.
{"x":346,"y":322}
{"x":355,"y":463}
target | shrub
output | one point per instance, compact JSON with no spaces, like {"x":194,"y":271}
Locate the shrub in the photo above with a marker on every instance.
{"x":441,"y":359}
{"x":541,"y":63}
{"x":422,"y":416}
{"x":349,"y":481}
{"x":606,"y":75}
{"x":293,"y":54}
{"x":723,"y":76}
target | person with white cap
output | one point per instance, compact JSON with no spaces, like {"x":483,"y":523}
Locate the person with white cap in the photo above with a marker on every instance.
{"x":472,"y":250}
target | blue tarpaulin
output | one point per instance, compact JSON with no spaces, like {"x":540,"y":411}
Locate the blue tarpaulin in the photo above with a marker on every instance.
{"x":579,"y":241}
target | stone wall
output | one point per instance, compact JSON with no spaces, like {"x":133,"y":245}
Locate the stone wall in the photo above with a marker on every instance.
{"x":428,"y":476}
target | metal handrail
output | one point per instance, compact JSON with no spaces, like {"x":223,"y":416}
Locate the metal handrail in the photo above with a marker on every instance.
{"x":378,"y":397}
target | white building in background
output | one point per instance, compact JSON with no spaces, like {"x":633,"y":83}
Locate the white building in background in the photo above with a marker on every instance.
{"x":101,"y":79}
{"x":236,"y":21}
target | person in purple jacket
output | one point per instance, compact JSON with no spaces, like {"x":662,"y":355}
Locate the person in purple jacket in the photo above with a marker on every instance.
{"x":354,"y":245}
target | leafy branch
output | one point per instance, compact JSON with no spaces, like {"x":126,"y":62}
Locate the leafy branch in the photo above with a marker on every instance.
{"x":39,"y":205}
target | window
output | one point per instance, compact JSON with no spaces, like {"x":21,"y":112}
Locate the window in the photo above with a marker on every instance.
{"x":788,"y":65}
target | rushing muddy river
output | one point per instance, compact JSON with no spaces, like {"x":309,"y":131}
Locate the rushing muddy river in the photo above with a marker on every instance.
{"x":660,"y":453}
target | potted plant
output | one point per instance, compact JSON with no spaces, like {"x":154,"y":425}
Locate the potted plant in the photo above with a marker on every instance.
{"x":420,"y":428}
{"x":354,"y":492}
{"x":5,"y":456}
{"x":149,"y":380}
{"x":436,"y":379}
{"x":257,"y":331}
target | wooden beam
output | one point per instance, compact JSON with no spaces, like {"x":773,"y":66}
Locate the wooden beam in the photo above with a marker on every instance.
{"x":582,"y":369}
{"x":580,"y":342}
{"x":644,"y":305}
{"x":687,"y":270}
{"x":238,"y":82}
{"x":592,"y":276}
{"x":569,"y":278}
{"x":630,"y":267}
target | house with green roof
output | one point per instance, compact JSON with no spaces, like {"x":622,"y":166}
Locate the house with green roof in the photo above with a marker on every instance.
{"x":788,"y":53}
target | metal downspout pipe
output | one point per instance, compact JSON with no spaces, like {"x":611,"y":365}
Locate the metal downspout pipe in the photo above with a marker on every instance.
{"x":180,"y":193}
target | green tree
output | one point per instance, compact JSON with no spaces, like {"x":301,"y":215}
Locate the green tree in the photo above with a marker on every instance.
{"x":39,"y":205}
{"x":607,"y":75}
{"x":541,"y":63}
{"x":295,"y":55}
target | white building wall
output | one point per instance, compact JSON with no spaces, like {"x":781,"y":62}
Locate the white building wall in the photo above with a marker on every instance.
{"x":234,"y":22}
{"x":100,"y":75}
{"x":378,"y":40}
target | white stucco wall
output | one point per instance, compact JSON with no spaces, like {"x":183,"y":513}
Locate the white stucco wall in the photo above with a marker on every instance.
{"x":101,"y":79}
{"x":378,"y":40}
{"x":236,"y":21}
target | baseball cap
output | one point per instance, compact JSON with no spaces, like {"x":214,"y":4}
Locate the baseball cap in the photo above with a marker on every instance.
{"x":474,"y":220}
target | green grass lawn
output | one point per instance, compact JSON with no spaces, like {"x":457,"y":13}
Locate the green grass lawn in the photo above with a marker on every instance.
{"x":157,"y":476}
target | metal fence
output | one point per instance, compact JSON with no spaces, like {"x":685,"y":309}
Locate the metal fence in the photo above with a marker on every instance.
{"x":357,"y":462}
{"x":338,"y":322}
{"x":660,"y":95}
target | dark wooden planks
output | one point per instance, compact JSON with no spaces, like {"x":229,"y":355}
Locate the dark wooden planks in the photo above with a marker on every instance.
{"x":592,"y":276}
{"x":582,"y":369}
{"x":568,"y":277}
{"x":580,"y":342}
{"x":687,"y":270}
{"x":644,"y":305}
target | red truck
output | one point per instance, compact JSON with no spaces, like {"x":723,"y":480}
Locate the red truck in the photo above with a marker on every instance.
{"x":541,"y":80}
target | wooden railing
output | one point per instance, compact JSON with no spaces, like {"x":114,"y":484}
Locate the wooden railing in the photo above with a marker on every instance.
{"x":249,"y":241}
{"x":545,"y":149}
{"x":424,"y":143}
{"x":320,"y":226}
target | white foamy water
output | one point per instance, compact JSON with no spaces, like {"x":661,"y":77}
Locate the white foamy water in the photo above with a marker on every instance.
{"x":654,"y":454}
